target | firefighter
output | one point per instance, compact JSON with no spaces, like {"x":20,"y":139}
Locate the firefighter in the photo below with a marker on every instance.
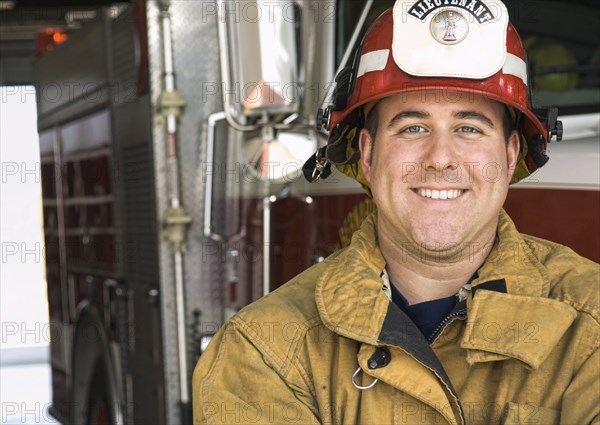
{"x":439,"y":310}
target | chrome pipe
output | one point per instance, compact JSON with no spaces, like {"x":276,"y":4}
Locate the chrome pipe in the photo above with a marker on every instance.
{"x":175,"y":204}
{"x":169,"y":73}
{"x":181,"y":335}
{"x":267,"y":201}
{"x":213,"y":119}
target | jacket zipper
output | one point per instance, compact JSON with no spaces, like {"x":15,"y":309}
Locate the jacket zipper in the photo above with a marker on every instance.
{"x":449,"y":319}
{"x":458,"y":314}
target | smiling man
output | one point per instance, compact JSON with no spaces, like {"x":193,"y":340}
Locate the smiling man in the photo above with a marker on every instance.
{"x":439,"y":173}
{"x":439,"y":310}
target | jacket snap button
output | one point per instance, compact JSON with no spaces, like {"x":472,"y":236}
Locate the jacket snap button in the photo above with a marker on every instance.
{"x":380,"y":358}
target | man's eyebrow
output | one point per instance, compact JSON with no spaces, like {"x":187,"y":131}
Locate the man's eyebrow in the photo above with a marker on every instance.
{"x":476,"y":116}
{"x":407,"y":114}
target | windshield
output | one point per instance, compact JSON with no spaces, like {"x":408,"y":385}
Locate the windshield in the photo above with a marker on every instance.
{"x":561,"y":38}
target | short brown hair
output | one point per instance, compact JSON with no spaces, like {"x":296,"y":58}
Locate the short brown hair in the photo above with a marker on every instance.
{"x":509,"y":123}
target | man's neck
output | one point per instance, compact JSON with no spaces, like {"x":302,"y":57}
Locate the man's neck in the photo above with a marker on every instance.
{"x":421,"y":278}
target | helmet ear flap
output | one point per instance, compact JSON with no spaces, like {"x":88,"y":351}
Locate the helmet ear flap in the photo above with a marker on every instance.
{"x":536,"y":143}
{"x":343,"y":149}
{"x":342,"y":92}
{"x":345,"y":81}
{"x":341,"y":95}
{"x":537,"y":152}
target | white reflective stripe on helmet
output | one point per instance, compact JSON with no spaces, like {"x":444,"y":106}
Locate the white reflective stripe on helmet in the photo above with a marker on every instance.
{"x":373,"y":61}
{"x":464,"y":40}
{"x":516,"y":66}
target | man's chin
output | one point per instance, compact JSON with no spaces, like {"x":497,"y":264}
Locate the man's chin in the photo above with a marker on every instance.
{"x":445,"y":247}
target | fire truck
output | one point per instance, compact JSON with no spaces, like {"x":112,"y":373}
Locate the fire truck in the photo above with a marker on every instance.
{"x":172,"y":138}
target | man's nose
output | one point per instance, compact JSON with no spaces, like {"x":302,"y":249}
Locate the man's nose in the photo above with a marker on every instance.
{"x":440,"y":153}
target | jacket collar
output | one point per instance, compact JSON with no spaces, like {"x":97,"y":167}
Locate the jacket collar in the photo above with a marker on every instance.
{"x":512,"y":260}
{"x":349,"y":294}
{"x":521,"y":323}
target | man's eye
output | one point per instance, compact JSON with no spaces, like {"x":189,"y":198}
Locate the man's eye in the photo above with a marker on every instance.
{"x":469,"y":130}
{"x":413,"y":129}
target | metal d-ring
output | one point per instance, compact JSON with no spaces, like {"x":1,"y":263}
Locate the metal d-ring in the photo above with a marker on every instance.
{"x":362,"y":387}
{"x":320,"y":165}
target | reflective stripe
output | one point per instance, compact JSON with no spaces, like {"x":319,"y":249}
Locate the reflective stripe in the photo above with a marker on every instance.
{"x":514,"y":65}
{"x":377,"y":61}
{"x":373,"y":61}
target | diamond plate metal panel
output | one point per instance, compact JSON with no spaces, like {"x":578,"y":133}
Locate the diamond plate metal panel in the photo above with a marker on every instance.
{"x":196,"y":65}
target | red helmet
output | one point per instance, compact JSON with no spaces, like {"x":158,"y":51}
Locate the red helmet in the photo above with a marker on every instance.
{"x":449,"y":46}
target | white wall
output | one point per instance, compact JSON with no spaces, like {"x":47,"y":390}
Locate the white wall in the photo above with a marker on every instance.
{"x":23,"y":300}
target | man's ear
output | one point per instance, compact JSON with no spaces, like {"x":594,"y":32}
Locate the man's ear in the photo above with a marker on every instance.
{"x":365,"y":143}
{"x":512,"y":152}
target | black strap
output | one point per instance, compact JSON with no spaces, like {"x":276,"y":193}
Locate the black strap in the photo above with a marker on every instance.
{"x":493,"y":285}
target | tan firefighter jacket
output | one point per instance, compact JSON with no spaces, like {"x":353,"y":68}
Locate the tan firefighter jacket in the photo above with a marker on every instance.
{"x":522,"y":349}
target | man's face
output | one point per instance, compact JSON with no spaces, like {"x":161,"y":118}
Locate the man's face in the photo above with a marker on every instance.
{"x":439,"y":169}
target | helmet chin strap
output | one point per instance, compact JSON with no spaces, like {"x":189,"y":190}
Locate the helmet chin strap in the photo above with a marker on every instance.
{"x":317,"y":166}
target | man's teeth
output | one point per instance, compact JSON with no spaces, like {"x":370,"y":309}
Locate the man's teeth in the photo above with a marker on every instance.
{"x":439,"y":194}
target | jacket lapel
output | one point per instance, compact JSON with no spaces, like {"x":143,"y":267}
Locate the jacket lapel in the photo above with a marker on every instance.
{"x":519,"y":321}
{"x":349,"y":294}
